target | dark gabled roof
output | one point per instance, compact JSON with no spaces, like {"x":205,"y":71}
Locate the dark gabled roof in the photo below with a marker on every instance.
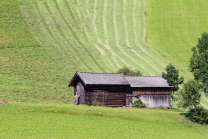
{"x":147,"y":81}
{"x":89,"y":78}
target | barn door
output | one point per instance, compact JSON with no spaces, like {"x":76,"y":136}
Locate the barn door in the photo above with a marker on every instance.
{"x":129,"y":100}
{"x":80,"y":90}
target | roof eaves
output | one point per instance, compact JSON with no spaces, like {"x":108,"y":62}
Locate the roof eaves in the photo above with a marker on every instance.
{"x":72,"y":79}
{"x":151,"y":86}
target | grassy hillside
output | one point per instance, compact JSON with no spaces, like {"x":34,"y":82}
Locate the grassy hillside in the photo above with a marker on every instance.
{"x":56,"y":38}
{"x":173,"y":28}
{"x":69,"y":121}
{"x":100,"y":36}
{"x":43,"y":43}
{"x":29,"y":71}
{"x":14,"y":32}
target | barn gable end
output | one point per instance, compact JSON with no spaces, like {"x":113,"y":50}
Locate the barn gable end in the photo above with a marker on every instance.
{"x":100,"y":88}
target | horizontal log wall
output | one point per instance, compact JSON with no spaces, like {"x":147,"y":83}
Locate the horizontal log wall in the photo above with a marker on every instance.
{"x":103,"y":98}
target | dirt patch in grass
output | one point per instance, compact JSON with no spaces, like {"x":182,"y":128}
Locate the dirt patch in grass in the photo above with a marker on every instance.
{"x":2,"y":101}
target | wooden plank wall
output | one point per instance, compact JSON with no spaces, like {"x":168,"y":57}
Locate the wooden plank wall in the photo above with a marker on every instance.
{"x":154,"y":97}
{"x":151,"y":91}
{"x":154,"y":101}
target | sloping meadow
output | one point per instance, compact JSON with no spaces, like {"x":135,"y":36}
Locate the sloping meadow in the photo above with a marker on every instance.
{"x":19,"y":120}
{"x":43,"y":43}
{"x":100,"y":36}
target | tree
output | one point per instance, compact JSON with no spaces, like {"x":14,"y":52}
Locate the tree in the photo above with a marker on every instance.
{"x":189,"y":95}
{"x":128,"y":71}
{"x":199,"y":62}
{"x":172,"y":76}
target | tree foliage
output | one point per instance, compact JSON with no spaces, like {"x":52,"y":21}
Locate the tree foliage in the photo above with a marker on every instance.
{"x":172,"y":76}
{"x":189,"y":95}
{"x":199,"y":61}
{"x":128,"y":71}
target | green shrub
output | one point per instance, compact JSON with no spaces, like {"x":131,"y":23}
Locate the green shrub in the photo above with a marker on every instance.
{"x":198,"y":114}
{"x":138,"y":104}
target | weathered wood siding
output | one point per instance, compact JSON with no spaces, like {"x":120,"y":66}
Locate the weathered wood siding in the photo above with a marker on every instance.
{"x":129,"y":100}
{"x":114,"y":96}
{"x":118,"y":96}
{"x":151,"y":91}
{"x":103,"y":98}
{"x":80,"y":90}
{"x":154,"y":97}
{"x":154,"y":101}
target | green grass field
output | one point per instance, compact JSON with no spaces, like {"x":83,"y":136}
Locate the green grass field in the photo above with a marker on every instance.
{"x":173,"y":28}
{"x":25,"y":120}
{"x":43,"y":43}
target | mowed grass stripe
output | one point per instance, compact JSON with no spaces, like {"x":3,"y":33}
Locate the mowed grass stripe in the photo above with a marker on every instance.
{"x":144,"y":63}
{"x":42,"y":21}
{"x":84,"y":15}
{"x":86,"y":8}
{"x":107,"y":55}
{"x":30,"y":16}
{"x":119,"y":54}
{"x":114,"y":36}
{"x":106,"y":36}
{"x":140,"y":38}
{"x":95,"y":17}
{"x":77,"y":38}
{"x":66,"y":3}
{"x":125,"y":24}
{"x":117,"y":40}
{"x":53,"y":35}
{"x":93,"y":29}
{"x":81,"y":14}
{"x":124,"y":46}
{"x":139,"y":26}
{"x":66,"y":21}
{"x":153,"y":60}
{"x":47,"y":38}
{"x":64,"y":36}
{"x":114,"y":57}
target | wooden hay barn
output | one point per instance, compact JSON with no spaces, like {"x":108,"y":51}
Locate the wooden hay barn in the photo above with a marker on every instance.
{"x":117,"y":90}
{"x":153,"y":91}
